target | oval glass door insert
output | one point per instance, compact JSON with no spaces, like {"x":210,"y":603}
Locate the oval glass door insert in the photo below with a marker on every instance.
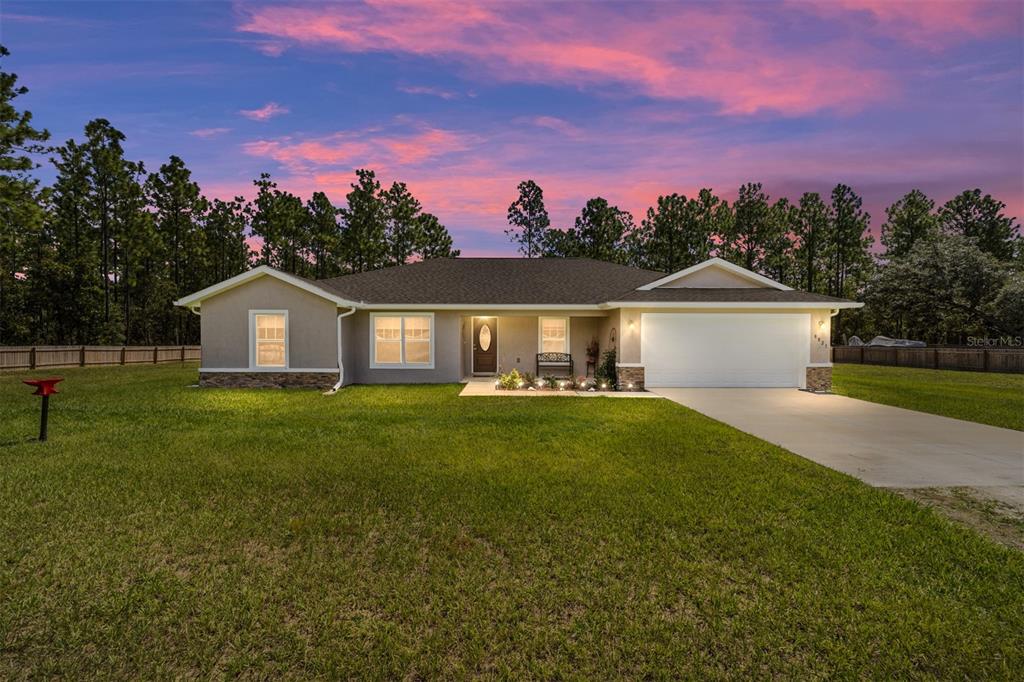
{"x":485,"y":338}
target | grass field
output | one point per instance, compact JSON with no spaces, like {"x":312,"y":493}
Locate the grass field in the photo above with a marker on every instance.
{"x":985,"y":397}
{"x":403,"y":532}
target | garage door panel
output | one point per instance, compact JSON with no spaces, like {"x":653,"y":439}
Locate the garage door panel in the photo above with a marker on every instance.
{"x":724,"y":350}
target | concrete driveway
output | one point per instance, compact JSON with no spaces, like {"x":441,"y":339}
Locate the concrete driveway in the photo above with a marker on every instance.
{"x":881,"y":445}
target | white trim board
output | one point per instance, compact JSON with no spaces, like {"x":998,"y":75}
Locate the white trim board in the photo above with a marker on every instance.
{"x":270,"y":370}
{"x":772,"y":305}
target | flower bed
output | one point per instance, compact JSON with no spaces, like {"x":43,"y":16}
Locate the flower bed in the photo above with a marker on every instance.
{"x":524,"y":381}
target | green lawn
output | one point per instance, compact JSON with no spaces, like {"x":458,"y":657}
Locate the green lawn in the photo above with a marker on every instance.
{"x":985,"y":397}
{"x":403,"y":532}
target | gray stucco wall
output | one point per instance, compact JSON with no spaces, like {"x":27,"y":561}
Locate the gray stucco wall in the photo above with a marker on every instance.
{"x":447,"y":352}
{"x":224,"y":325}
{"x":519,"y":338}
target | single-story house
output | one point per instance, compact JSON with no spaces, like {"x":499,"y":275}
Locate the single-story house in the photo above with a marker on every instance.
{"x":443,"y":320}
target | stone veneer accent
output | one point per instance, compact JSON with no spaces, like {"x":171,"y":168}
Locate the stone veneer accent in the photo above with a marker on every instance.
{"x":630,"y":374}
{"x":267,"y":379}
{"x":819,"y":379}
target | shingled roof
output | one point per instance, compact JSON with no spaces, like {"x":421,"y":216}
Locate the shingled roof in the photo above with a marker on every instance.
{"x":523,"y":282}
{"x":494,"y":281}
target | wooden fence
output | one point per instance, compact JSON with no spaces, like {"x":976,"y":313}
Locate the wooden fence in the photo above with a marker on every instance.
{"x":939,"y":357}
{"x":36,"y":357}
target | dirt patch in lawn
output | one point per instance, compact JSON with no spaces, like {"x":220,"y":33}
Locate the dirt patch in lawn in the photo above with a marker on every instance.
{"x":993,"y":515}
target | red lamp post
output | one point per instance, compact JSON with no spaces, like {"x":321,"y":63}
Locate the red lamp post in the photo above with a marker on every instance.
{"x":44,"y":388}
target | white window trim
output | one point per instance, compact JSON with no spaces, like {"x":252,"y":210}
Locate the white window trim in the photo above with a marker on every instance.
{"x":403,"y":364}
{"x":252,"y":340}
{"x":540,"y":333}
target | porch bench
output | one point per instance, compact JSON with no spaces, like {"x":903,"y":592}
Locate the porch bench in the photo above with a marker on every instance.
{"x":556,"y":361}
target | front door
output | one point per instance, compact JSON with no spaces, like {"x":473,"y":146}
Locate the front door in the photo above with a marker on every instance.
{"x":485,"y":345}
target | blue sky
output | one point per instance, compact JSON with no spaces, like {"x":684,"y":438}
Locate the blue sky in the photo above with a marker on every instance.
{"x":462,"y":100}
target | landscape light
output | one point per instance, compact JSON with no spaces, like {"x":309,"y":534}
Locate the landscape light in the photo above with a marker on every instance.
{"x":630,"y":386}
{"x":604,"y":385}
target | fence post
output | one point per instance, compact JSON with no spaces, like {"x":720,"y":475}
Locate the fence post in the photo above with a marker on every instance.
{"x":183,"y":354}
{"x":81,"y":357}
{"x":935,"y":358}
{"x":155,"y":350}
{"x":984,"y":358}
{"x":862,"y":355}
{"x":32,"y":358}
{"x":122,"y":354}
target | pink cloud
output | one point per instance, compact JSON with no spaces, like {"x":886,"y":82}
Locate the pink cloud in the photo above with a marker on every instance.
{"x":266,"y":112}
{"x":369,"y":148}
{"x":727,"y":55}
{"x":207,"y":133}
{"x":931,"y":24}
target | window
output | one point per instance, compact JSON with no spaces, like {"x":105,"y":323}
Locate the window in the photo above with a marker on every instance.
{"x":554,"y":335}
{"x":402,"y":341}
{"x":269,"y":334}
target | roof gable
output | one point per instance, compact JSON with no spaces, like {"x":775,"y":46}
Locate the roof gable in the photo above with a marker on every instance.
{"x":195,"y":300}
{"x":714,"y":273}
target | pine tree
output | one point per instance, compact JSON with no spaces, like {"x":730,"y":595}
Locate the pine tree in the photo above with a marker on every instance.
{"x":282,"y":221}
{"x":811,"y":229}
{"x":601,"y":230}
{"x":401,"y":223}
{"x":179,"y":242}
{"x":363,"y":222}
{"x":73,"y":282}
{"x":528,"y":219}
{"x":981,"y":217}
{"x":908,"y":220}
{"x":324,"y":237}
{"x":227,"y":253}
{"x":744,"y":244}
{"x":434,"y":239}
{"x":21,"y":214}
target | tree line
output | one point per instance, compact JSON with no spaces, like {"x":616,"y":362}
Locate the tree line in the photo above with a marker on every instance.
{"x":99,"y":256}
{"x":940,"y":276}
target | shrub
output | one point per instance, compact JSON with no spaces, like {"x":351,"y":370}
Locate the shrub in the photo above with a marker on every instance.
{"x":552,"y":381}
{"x":511,"y":381}
{"x":606,"y":370}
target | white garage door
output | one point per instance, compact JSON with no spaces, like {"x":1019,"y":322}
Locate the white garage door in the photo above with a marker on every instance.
{"x":724,"y":349}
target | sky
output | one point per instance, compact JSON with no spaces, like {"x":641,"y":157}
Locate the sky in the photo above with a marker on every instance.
{"x":464,"y":100}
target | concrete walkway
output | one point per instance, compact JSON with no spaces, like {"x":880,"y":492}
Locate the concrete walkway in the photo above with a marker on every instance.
{"x":881,"y":445}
